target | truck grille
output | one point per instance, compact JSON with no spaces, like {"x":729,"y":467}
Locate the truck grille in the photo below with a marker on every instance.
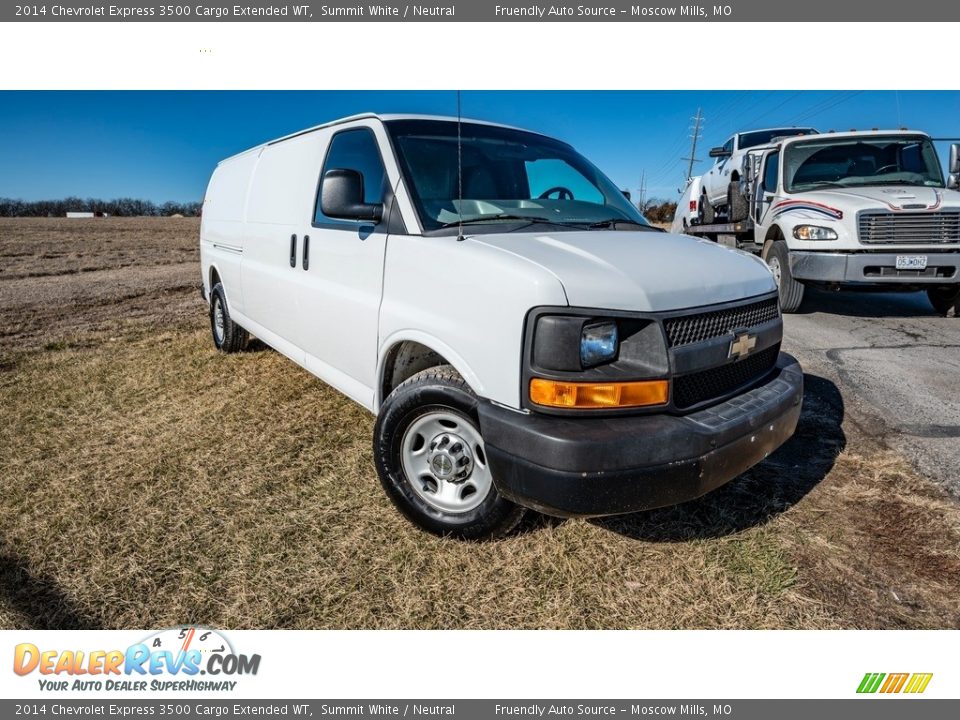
{"x":926,"y":227}
{"x":689,"y":329}
{"x":699,"y":387}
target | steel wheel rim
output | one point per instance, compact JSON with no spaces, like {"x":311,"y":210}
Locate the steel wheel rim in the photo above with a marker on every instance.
{"x":447,"y":478}
{"x":219,"y":321}
{"x":774,"y":264}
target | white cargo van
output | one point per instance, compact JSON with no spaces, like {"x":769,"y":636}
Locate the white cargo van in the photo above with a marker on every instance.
{"x":525,"y":338}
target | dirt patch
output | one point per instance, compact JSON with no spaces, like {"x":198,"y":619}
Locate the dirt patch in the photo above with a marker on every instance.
{"x":149,"y":481}
{"x":68,"y":278}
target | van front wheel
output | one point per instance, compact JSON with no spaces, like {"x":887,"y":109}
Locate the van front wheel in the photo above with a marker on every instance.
{"x":431,"y":461}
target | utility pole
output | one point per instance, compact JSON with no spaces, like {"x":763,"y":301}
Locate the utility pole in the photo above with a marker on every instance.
{"x":694,"y":136}
{"x":643,"y":191}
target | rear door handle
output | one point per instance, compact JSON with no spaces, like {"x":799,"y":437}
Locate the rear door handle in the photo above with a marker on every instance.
{"x":306,"y":252}
{"x":293,"y":251}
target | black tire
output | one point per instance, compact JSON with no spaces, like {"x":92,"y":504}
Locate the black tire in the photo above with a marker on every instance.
{"x":945,"y":300}
{"x":777,"y":257}
{"x":737,"y":207}
{"x":429,"y":392}
{"x":705,"y":210}
{"x":231,"y":337}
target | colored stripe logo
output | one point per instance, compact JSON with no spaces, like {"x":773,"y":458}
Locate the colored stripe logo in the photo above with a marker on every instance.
{"x":807,"y":206}
{"x":911,"y":683}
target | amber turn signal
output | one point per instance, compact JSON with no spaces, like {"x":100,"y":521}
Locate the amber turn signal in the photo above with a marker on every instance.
{"x":573,"y":395}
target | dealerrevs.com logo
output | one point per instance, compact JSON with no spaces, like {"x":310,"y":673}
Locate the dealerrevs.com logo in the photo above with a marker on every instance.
{"x":179,"y":659}
{"x":893,"y":683}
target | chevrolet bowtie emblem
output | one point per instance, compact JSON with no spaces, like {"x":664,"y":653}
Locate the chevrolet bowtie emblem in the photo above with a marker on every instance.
{"x":742,"y":344}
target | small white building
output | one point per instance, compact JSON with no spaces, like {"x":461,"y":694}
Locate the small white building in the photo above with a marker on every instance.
{"x":79,"y":214}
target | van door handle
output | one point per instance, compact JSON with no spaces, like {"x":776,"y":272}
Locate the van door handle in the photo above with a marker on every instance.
{"x":293,"y":251}
{"x":306,"y":252}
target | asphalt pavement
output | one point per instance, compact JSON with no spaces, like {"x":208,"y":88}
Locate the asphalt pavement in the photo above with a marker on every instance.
{"x":897,"y":366}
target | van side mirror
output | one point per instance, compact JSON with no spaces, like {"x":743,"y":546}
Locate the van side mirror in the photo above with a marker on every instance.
{"x":953,"y":182}
{"x":954,"y":167}
{"x":719,"y":152}
{"x":626,"y":194}
{"x":341,"y":197}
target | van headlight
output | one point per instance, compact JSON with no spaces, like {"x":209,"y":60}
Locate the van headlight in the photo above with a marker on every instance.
{"x":598,"y":343}
{"x":814,"y":232}
{"x":573,"y":343}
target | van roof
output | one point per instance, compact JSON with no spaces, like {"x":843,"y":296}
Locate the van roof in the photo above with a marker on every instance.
{"x":376,"y":116}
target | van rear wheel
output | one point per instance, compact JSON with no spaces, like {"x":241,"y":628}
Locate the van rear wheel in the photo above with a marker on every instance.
{"x":430,"y":457}
{"x":227,"y":335}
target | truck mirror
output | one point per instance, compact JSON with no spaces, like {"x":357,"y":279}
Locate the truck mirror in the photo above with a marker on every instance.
{"x":341,"y":197}
{"x":626,"y":194}
{"x":719,"y":152}
{"x":953,"y":182}
{"x":954,"y":159}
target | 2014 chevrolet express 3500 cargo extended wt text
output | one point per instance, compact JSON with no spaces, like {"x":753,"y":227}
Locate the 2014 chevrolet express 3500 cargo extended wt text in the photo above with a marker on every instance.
{"x":525,"y":338}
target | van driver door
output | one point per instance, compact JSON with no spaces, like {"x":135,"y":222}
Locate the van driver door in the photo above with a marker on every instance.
{"x":341,"y":281}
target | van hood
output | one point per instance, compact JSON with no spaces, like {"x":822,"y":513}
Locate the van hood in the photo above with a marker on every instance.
{"x":888,"y":197}
{"x":638,"y":271}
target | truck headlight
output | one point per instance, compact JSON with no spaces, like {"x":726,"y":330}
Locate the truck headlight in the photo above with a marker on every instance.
{"x":814,"y":232}
{"x":598,"y":343}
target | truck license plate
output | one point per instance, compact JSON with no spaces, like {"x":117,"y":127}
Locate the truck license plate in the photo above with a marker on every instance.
{"x":911,"y":262}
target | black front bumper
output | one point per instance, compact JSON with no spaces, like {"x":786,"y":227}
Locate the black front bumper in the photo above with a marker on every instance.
{"x":609,"y":466}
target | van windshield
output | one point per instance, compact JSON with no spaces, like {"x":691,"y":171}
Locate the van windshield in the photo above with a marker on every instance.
{"x":501,"y":176}
{"x":861,"y":161}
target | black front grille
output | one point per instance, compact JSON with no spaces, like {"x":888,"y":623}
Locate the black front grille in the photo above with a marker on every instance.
{"x":699,"y":387}
{"x":689,"y":329}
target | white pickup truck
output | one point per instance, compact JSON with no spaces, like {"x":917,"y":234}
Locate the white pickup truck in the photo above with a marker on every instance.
{"x":868,"y":210}
{"x":720,"y":191}
{"x":525,"y":338}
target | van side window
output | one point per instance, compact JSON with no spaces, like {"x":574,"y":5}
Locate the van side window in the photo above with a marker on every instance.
{"x":354,"y":150}
{"x":770,"y":172}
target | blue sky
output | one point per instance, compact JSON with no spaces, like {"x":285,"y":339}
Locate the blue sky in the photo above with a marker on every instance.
{"x":162,"y":145}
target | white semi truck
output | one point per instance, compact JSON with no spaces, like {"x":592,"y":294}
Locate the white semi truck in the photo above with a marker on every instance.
{"x":868,"y":209}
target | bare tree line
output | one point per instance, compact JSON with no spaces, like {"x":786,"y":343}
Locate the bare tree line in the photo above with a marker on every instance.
{"x":121,"y":207}
{"x":654,"y":209}
{"x":657,"y":210}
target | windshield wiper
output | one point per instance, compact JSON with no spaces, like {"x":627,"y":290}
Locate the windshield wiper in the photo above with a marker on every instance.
{"x":504,"y":216}
{"x":816,"y":186}
{"x":898,"y":182}
{"x":613,"y":222}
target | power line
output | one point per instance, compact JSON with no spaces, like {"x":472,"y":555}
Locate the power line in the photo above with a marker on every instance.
{"x":777,"y":106}
{"x":694,"y":136}
{"x":830,"y":106}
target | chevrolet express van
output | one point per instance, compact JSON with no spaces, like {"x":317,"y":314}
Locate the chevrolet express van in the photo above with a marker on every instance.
{"x":525,"y":338}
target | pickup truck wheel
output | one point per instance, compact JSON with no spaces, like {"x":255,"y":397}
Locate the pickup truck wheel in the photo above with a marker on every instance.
{"x":430,"y":457}
{"x":945,"y":300}
{"x":705,"y":211}
{"x":736,"y":203}
{"x":227,"y":335}
{"x":777,"y":257}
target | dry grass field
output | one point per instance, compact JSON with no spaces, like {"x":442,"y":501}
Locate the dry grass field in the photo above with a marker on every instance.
{"x":147,"y":481}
